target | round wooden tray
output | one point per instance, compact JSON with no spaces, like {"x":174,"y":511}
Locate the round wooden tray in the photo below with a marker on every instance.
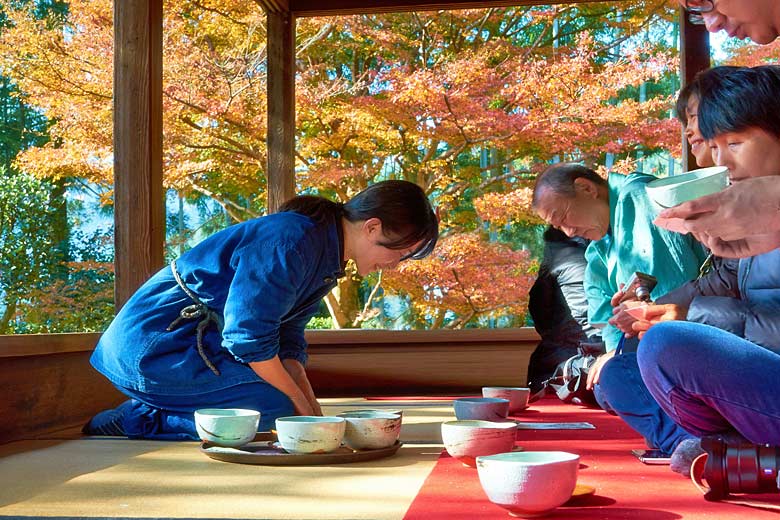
{"x":265,"y":451}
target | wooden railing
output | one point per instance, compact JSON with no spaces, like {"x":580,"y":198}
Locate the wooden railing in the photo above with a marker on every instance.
{"x":47,"y":383}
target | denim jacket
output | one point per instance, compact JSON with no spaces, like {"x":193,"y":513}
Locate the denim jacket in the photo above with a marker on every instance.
{"x":263,"y":279}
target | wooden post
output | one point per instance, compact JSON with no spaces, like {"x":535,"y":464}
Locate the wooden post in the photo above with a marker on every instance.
{"x":694,"y":57}
{"x":281,"y":108}
{"x":139,"y":210}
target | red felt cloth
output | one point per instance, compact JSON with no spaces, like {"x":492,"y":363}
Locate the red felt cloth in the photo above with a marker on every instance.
{"x":420,"y":398}
{"x":625,"y":488}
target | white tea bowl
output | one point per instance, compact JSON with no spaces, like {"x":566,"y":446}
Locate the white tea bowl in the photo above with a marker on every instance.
{"x":676,"y":189}
{"x":371,"y":429}
{"x":531,"y":483}
{"x":467,"y":440}
{"x":518,"y":396}
{"x":310,"y":434}
{"x":232,"y":427}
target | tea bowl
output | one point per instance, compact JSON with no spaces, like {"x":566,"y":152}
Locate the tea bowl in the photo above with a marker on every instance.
{"x":371,"y":429}
{"x":674,"y":190}
{"x":531,"y":483}
{"x":518,"y":396}
{"x":310,"y":434}
{"x":481,"y":408}
{"x":232,"y":427}
{"x":396,"y":411}
{"x":467,"y":440}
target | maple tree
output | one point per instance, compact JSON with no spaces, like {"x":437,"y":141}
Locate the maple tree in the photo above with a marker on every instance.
{"x":468,"y":104}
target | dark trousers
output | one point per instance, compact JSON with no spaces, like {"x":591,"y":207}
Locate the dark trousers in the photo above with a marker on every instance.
{"x":621,"y":390}
{"x":171,"y":417}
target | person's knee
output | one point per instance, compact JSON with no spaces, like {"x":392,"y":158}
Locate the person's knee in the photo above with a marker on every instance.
{"x":656,"y":346}
{"x":613,"y":376}
{"x":668,"y":347}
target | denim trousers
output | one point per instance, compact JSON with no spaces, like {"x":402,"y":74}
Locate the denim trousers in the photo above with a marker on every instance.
{"x":621,"y":391}
{"x":711,"y":381}
{"x":164,"y":417}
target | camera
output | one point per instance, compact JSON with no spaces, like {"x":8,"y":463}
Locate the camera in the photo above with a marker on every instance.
{"x":735,"y":466}
{"x":641,"y":285}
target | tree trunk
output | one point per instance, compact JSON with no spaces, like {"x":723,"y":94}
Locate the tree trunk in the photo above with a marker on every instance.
{"x":10,"y":310}
{"x":344,"y":303}
{"x":60,"y":229}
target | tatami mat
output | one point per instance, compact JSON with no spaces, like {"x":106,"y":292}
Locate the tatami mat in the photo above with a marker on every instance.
{"x":119,"y":478}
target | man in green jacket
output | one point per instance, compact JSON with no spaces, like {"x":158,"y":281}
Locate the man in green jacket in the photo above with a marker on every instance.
{"x":617,"y":215}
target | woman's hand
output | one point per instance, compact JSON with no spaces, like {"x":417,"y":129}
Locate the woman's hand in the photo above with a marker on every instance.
{"x":623,"y":317}
{"x":277,"y":374}
{"x":595,"y":370}
{"x":298,"y":374}
{"x":742,"y":220}
{"x":658,"y":313}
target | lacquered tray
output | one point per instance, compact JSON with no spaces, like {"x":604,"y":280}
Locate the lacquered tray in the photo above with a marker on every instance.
{"x":265,"y":450}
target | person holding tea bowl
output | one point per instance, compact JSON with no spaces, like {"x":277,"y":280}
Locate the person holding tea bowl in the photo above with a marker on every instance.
{"x":481,"y":408}
{"x":467,"y":440}
{"x":310,"y":434}
{"x":371,"y":429}
{"x":518,"y":396}
{"x":528,"y":484}
{"x":231,"y":427}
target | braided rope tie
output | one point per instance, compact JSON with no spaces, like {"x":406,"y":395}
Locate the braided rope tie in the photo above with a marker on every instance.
{"x":194,"y":311}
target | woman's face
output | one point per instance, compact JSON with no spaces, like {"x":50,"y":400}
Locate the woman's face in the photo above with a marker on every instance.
{"x":370,"y":255}
{"x":699,"y":147}
{"x":752,"y":152}
{"x":758,"y":20}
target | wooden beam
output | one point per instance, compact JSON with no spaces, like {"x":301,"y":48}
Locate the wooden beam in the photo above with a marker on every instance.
{"x":281,"y":109}
{"x":139,"y":211}
{"x":274,"y":6}
{"x":694,"y":57}
{"x":302,"y":8}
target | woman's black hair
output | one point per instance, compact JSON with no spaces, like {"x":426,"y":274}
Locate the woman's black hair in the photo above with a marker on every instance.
{"x":692,"y":89}
{"x":743,"y":98}
{"x":560,"y":178}
{"x":405,"y":212}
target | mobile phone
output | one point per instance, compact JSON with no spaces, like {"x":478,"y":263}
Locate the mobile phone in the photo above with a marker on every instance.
{"x":651,"y":456}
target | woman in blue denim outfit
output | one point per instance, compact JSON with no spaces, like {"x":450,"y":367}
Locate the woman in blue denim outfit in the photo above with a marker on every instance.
{"x":223,"y":325}
{"x":714,"y":363}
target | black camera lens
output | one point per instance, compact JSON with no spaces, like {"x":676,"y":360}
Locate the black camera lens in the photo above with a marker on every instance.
{"x":735,"y":466}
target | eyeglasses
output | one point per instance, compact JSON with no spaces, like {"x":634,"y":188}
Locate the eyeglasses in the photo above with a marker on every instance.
{"x":696,"y":11}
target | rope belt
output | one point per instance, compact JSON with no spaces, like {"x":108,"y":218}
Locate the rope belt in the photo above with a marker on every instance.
{"x":197,"y":310}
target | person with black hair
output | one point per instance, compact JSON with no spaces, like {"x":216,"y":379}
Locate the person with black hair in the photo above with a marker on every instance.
{"x":223,"y":325}
{"x":687,"y":111}
{"x":710,"y":353}
{"x":616,"y":214}
{"x":558,"y":306}
{"x":743,"y":220}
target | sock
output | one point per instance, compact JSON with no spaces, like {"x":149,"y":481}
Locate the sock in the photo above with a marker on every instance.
{"x":108,"y":422}
{"x":684,"y":454}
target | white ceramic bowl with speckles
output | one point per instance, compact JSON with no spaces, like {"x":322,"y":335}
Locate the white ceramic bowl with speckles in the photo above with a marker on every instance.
{"x":529,"y":484}
{"x":370,"y":429}
{"x":481,"y":408}
{"x":310,"y":434}
{"x":674,"y":190}
{"x":518,"y":396}
{"x":232,"y":427}
{"x":467,"y":440}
